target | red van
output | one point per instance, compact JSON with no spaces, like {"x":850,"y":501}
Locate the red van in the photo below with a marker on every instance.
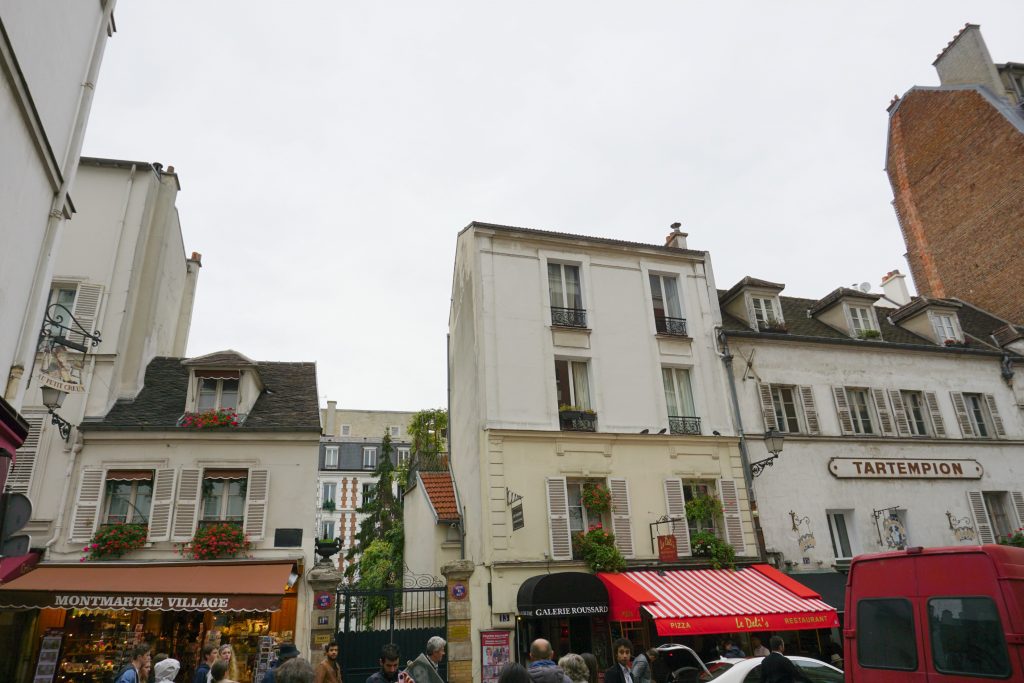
{"x":936,"y":614}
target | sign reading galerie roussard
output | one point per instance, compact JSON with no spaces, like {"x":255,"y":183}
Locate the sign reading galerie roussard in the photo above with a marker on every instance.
{"x":898,"y":468}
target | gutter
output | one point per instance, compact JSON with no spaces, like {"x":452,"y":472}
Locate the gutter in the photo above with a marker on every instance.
{"x":860,"y":343}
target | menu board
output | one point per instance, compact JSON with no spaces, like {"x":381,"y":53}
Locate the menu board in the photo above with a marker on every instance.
{"x":49,"y":653}
{"x":496,"y":653}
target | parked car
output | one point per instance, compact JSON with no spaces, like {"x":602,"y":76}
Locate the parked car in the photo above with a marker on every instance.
{"x":680,"y":664}
{"x":749,"y":670}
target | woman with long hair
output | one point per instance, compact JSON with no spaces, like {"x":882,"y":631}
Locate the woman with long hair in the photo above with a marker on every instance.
{"x":227,"y":655}
{"x":591,"y":661}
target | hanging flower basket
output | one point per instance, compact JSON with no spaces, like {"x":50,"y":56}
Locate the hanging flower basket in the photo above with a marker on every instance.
{"x":595,"y":497}
{"x":703,"y":507}
{"x":114,"y":540}
{"x":597,"y":548}
{"x":720,"y":554}
{"x":216,"y":541}
{"x":209,"y":419}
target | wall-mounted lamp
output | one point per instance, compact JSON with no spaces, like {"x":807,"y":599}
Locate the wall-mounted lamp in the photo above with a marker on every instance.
{"x":773,"y":440}
{"x":61,"y":331}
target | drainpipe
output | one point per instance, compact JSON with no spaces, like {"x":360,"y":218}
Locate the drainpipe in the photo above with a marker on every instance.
{"x":451,"y":451}
{"x":58,"y":527}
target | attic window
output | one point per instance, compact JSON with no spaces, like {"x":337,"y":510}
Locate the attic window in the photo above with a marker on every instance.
{"x":765,"y":313}
{"x":217,"y":393}
{"x":945,"y":327}
{"x":862,"y":322}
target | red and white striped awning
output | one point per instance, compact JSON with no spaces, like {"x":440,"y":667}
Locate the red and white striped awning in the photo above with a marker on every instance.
{"x":695,"y":601}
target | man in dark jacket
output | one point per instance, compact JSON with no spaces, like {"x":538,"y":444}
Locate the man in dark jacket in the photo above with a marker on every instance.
{"x":389,"y":656}
{"x":776,"y":667}
{"x":622,"y":649}
{"x":208,"y":657}
{"x":287,"y":651}
{"x":542,"y":664}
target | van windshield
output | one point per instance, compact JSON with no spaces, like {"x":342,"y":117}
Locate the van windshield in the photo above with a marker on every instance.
{"x":885,"y":634}
{"x":967,"y":637}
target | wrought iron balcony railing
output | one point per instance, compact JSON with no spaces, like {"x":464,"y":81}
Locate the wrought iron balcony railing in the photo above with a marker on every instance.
{"x":568,"y":317}
{"x":577,"y":421}
{"x":673,"y":326}
{"x":684,"y":424}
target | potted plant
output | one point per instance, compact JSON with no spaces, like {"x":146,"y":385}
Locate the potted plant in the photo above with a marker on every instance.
{"x":216,"y":541}
{"x":210,"y":419}
{"x":1015,"y":539}
{"x":328,"y":505}
{"x":700,"y":508}
{"x":577,"y":419}
{"x":597,"y":548}
{"x":327,"y":547}
{"x":114,"y":540}
{"x":956,"y":343}
{"x":772,"y":326}
{"x":869,"y":334}
{"x":719,"y":553}
{"x":596,"y":497}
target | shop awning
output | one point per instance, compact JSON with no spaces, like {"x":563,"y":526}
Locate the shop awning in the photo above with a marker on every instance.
{"x":696,"y":601}
{"x":212,"y":587}
{"x":830,"y":585}
{"x":13,"y":567}
{"x":563,"y":594}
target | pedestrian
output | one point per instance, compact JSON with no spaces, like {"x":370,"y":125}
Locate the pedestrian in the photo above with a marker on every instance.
{"x":759,"y":649}
{"x":219,"y":672}
{"x":592,"y":668}
{"x":133,"y":672}
{"x":328,"y":670}
{"x":514,"y":673}
{"x":287,"y":652}
{"x":575,"y":668}
{"x":776,"y":667}
{"x":542,"y":665}
{"x":227,"y":655}
{"x":166,"y":670}
{"x":619,"y":672}
{"x":389,"y":656}
{"x":423,"y":669}
{"x":209,"y":655}
{"x":295,"y":670}
{"x":643,"y":666}
{"x":731,"y":650}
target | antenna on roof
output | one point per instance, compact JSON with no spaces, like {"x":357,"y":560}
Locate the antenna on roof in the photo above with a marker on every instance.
{"x":865,"y":287}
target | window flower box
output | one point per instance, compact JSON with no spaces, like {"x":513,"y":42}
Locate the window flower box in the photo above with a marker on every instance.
{"x":574,"y":419}
{"x":216,"y":540}
{"x":210,"y":419}
{"x":869,"y":334}
{"x":597,"y":548}
{"x":775,"y":326}
{"x":114,"y":540}
{"x":329,"y":505}
{"x":956,"y":343}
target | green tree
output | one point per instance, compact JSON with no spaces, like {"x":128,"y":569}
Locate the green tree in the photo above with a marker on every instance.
{"x":428,"y":430}
{"x":381,"y":530}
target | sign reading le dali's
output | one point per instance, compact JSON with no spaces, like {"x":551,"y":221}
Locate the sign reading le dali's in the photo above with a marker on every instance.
{"x":877,"y":468}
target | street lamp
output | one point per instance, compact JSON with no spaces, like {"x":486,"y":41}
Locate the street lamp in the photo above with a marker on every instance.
{"x":53,"y":399}
{"x":773,"y":440}
{"x":61,"y":330}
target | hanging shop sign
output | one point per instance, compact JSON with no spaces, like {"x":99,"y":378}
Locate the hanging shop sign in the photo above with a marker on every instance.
{"x":875,"y":468}
{"x":668,"y":549}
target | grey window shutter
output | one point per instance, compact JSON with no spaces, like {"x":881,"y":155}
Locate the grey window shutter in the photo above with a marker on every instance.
{"x":979,"y":512}
{"x":964,"y":420}
{"x":843,"y":410}
{"x":87,"y":504}
{"x":257,"y":499}
{"x":884,"y":416}
{"x":675,"y":506}
{"x":19,"y":477}
{"x":558,"y":519}
{"x":87,"y":308}
{"x":767,"y":406}
{"x":899,"y":411}
{"x":938,"y":424}
{"x":186,"y":505}
{"x":621,"y":523}
{"x":1018,"y":506}
{"x":731,"y":512}
{"x":993,"y":411}
{"x":162,"y":505}
{"x":810,"y":410}
{"x":750,"y":311}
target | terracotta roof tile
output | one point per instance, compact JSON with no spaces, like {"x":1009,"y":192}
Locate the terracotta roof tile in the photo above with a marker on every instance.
{"x":441,"y":494}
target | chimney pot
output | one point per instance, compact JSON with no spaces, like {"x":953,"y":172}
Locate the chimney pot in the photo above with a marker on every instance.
{"x":894,"y":287}
{"x":676,"y":238}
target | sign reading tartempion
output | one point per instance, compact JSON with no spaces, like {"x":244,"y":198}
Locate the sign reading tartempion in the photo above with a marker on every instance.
{"x":872,"y":468}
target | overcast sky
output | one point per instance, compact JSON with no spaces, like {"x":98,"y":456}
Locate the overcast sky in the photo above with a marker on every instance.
{"x":329,"y":152}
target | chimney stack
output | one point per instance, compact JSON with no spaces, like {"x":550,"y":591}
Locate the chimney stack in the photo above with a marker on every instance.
{"x":894,"y":287}
{"x":676,"y":238}
{"x":331,"y":420}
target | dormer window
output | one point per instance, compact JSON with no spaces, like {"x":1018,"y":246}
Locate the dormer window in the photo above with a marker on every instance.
{"x":217,"y":394}
{"x":765,"y":312}
{"x":224,"y":382}
{"x":862,"y":322}
{"x":934,"y":319}
{"x":945,"y":326}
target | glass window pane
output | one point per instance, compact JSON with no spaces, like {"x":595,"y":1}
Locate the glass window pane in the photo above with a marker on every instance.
{"x":562,"y":387}
{"x":885,"y":634}
{"x":119,"y":494}
{"x":673,"y":306}
{"x":143,"y":500}
{"x":212,"y":498}
{"x":573,"y":293}
{"x":668,"y":378}
{"x":207,"y":394}
{"x":581,"y":385}
{"x":575,"y":492}
{"x":840,"y":536}
{"x":555,"y":290}
{"x":656,"y":296}
{"x":236,"y":499}
{"x":967,"y":637}
{"x":819,"y":673}
{"x":685,"y":393}
{"x":229,"y":394}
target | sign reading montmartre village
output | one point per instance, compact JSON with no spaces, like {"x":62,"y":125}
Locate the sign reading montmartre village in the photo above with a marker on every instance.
{"x":877,"y":468}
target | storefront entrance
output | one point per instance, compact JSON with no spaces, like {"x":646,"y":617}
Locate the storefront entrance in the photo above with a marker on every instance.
{"x":568,"y":609}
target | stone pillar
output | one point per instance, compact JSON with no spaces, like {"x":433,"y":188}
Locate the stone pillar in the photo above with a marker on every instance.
{"x":324,"y":579}
{"x":460,"y":628}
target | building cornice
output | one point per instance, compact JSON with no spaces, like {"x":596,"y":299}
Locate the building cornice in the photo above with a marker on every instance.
{"x":862,"y":344}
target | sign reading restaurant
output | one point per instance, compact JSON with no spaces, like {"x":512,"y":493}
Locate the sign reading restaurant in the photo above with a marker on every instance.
{"x":877,"y":468}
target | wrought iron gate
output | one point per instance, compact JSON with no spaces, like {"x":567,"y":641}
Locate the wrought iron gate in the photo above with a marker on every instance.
{"x":407,"y":617}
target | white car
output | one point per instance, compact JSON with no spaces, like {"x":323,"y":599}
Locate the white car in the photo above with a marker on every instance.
{"x":749,"y":670}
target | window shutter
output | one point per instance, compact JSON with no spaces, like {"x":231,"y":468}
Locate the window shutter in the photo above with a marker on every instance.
{"x":843,"y":410}
{"x":750,"y":311}
{"x":87,"y":504}
{"x":884,"y":416}
{"x":979,"y":512}
{"x":932,"y":401}
{"x":675,"y":505}
{"x":810,"y":410}
{"x":558,"y":519}
{"x":899,"y":411}
{"x":621,"y":524}
{"x":19,"y":477}
{"x":960,"y":407}
{"x":87,"y":308}
{"x":186,"y":506}
{"x":767,"y":407}
{"x":993,"y":412}
{"x":256,"y":504}
{"x":163,"y":503}
{"x":731,"y":511}
{"x":1018,"y":506}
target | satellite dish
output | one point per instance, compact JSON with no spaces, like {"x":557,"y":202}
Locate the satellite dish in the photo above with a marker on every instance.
{"x":865,"y":287}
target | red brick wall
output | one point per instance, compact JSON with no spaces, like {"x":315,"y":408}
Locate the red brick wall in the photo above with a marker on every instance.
{"x":956,"y":166}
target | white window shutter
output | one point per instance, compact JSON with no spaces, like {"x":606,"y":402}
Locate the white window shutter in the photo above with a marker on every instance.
{"x":257,"y":499}
{"x":19,"y":477}
{"x":884,"y":416}
{"x":767,"y":406}
{"x":843,"y":410}
{"x":186,"y":505}
{"x":993,"y":411}
{"x":675,"y":506}
{"x":899,"y":411}
{"x":163,"y":503}
{"x":750,"y":311}
{"x":1018,"y":506}
{"x":87,"y":504}
{"x":810,"y":410}
{"x":960,"y":408}
{"x":979,"y":512}
{"x":932,"y":401}
{"x":87,"y":308}
{"x":621,"y":524}
{"x":731,"y":511}
{"x":558,"y":519}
